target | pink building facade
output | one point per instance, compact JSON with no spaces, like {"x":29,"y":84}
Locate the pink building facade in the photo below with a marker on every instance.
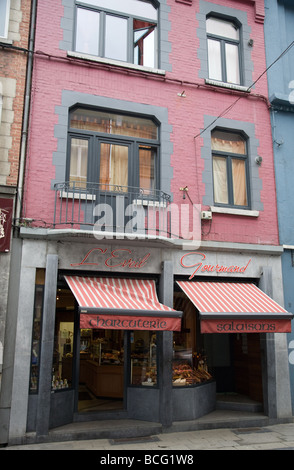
{"x":149,"y":158}
{"x":192,"y":104}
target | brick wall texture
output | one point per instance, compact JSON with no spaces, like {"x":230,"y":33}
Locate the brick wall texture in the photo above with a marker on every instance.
{"x":12,"y":80}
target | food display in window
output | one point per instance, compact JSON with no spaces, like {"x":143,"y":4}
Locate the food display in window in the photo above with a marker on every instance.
{"x":184,"y":374}
{"x":191,"y":372}
{"x":112,"y":357}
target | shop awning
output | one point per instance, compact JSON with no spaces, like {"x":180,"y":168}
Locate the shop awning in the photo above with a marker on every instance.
{"x":124,"y":304}
{"x":227,"y":307}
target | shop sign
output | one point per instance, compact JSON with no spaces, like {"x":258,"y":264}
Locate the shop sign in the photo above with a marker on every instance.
{"x":202,"y":266}
{"x":129,"y":322}
{"x":246,"y":326}
{"x":6,"y":211}
{"x":119,"y":258}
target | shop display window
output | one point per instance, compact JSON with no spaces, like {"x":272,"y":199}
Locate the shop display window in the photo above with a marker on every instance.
{"x":37,"y":330}
{"x":106,"y":347}
{"x":62,"y":364}
{"x":189,"y":357}
{"x":143,"y":358}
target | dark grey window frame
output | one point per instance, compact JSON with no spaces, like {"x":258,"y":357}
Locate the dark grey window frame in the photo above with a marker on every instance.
{"x":96,"y":138}
{"x":130,"y":33}
{"x":229,"y":157}
{"x":225,"y":40}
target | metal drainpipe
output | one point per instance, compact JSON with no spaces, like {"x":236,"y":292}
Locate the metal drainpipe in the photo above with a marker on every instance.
{"x":27,"y":102}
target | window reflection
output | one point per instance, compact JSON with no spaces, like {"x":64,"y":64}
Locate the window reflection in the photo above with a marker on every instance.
{"x":223,"y":41}
{"x":37,"y":332}
{"x":62,"y":364}
{"x":232,"y":63}
{"x":87,"y":34}
{"x":222,"y":28}
{"x":144,"y":45}
{"x":214,"y":60}
{"x":116,"y":38}
{"x":123,"y":36}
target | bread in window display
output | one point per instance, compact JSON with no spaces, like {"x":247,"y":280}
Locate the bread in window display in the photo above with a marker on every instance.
{"x":183,"y":374}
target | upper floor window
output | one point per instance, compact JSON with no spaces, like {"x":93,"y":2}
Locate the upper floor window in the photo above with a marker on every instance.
{"x":230,"y":168}
{"x":223,"y":39}
{"x":114,"y":151}
{"x":4,"y":18}
{"x":115,"y":29}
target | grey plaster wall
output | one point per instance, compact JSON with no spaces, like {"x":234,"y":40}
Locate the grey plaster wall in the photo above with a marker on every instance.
{"x":22,"y":354}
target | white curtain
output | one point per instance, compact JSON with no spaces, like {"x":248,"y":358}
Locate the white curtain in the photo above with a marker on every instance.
{"x":220,"y":181}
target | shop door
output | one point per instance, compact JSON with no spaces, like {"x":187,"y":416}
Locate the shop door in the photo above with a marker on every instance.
{"x":235,"y":363}
{"x":247,"y":366}
{"x":101,"y":370}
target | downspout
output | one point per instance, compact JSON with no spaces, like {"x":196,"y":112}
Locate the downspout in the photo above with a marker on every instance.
{"x":26,"y":113}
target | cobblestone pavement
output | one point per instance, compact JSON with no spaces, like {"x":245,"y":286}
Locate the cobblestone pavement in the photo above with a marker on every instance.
{"x":275,"y":437}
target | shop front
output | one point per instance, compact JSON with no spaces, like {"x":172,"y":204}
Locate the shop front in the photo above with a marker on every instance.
{"x":155,"y":334}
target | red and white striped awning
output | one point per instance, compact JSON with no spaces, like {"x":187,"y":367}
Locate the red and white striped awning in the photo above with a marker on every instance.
{"x":118,"y":303}
{"x":228,"y":307}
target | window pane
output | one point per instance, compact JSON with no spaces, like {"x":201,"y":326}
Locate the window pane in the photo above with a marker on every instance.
{"x":36,"y":336}
{"x":147,"y":156}
{"x":232,"y":64}
{"x":4,"y":17}
{"x":143,"y":358}
{"x":78,"y":162}
{"x":228,"y":142}
{"x":239,"y":182}
{"x":220,"y":181}
{"x":116,"y":38}
{"x":99,"y":121}
{"x":87,"y":35}
{"x":113,"y":167}
{"x":222,"y":28}
{"x":143,"y":8}
{"x":214,"y":60}
{"x":62,"y":364}
{"x":144,"y":47}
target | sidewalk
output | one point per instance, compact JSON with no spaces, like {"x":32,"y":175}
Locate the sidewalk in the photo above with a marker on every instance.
{"x":274,"y":437}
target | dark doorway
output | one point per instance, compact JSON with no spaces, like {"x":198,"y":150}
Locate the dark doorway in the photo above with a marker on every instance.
{"x":235,"y":363}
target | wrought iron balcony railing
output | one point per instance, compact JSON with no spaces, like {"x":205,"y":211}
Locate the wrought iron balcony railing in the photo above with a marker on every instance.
{"x":112,"y":208}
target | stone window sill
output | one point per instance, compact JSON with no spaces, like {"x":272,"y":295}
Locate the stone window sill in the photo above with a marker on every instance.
{"x":231,"y":211}
{"x":229,"y":86}
{"x":117,"y":63}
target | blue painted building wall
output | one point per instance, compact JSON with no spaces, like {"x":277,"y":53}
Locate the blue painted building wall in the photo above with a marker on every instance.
{"x":279,"y":35}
